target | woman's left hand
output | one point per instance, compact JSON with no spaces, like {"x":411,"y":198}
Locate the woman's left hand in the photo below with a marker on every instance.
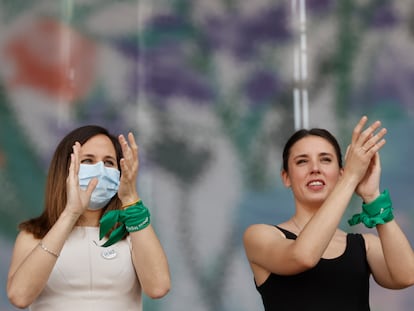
{"x":368,"y":188}
{"x":127,"y":191}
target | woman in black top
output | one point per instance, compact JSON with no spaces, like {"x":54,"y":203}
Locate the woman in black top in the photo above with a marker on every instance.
{"x":307,"y":263}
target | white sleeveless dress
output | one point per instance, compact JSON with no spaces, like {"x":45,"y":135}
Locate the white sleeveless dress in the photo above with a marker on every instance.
{"x":87,"y":277}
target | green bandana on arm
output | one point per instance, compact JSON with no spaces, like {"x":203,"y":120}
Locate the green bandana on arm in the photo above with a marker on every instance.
{"x":131,"y":219}
{"x":378,"y":212}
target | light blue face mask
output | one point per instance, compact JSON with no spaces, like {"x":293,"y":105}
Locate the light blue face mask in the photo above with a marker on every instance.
{"x":108,"y":183}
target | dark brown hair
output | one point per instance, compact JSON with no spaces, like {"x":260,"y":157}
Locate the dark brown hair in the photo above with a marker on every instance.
{"x":55,"y":191}
{"x":298,"y":135}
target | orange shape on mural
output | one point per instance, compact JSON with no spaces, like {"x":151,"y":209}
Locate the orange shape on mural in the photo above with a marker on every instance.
{"x":52,"y":57}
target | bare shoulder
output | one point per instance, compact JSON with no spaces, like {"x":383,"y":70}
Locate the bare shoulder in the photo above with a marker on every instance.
{"x":262,"y":229}
{"x":261,"y":233}
{"x":268,"y":250}
{"x":25,"y":242}
{"x":26,"y":237}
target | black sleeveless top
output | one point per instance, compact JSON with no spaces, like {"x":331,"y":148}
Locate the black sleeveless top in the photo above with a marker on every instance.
{"x":338,"y":284}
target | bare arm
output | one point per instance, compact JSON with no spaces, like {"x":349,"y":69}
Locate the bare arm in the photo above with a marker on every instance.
{"x":149,"y":258}
{"x":390,"y":256}
{"x":150,"y":263}
{"x":31,"y":264}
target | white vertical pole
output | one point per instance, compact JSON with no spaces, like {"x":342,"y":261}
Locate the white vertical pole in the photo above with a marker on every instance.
{"x":296,"y":72}
{"x":303,"y":64}
{"x":296,"y":108}
{"x":300,"y":73}
{"x":305,"y":109}
{"x":296,"y":91}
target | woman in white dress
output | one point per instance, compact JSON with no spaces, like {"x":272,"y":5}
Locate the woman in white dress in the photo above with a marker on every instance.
{"x":93,"y":247}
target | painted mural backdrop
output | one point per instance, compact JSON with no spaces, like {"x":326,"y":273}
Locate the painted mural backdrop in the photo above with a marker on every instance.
{"x":208,"y":88}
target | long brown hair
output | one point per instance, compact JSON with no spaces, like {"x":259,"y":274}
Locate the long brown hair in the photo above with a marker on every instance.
{"x":55,"y":191}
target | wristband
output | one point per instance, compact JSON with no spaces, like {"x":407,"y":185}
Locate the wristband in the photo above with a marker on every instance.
{"x":130,"y":204}
{"x":378,"y":212}
{"x":42,"y":246}
{"x":134,"y":218}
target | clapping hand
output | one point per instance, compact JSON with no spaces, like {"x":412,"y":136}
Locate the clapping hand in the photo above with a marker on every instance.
{"x":77,"y":199}
{"x":362,"y":157}
{"x":127,"y":191}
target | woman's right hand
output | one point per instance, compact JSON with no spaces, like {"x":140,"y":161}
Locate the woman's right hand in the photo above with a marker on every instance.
{"x":364,"y":145}
{"x":77,"y":199}
{"x":369,"y":187}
